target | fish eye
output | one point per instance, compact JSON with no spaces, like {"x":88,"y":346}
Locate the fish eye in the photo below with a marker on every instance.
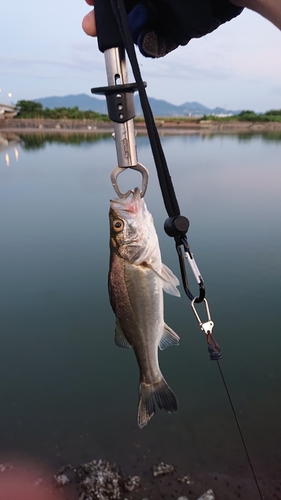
{"x":118,"y":225}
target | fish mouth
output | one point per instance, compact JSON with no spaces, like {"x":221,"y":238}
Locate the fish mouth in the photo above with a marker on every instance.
{"x":131,"y":204}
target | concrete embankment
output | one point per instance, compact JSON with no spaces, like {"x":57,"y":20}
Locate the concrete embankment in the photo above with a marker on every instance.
{"x":165,"y":126}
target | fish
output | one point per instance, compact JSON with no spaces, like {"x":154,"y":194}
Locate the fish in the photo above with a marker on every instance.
{"x":137,"y":278}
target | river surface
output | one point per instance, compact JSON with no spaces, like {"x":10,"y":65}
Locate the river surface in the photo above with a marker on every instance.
{"x":67,"y":393}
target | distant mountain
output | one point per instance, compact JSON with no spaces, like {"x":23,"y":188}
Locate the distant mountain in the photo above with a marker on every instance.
{"x":158,"y":106}
{"x":83,"y":101}
{"x":164,"y":108}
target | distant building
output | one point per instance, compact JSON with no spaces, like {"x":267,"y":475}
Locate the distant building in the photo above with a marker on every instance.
{"x":8,"y":111}
{"x":222,"y":115}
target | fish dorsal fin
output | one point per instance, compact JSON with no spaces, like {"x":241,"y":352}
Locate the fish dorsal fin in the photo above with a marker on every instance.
{"x":169,"y":338}
{"x":120,"y":339}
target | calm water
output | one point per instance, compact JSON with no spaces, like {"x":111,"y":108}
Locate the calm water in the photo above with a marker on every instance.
{"x":67,"y":393}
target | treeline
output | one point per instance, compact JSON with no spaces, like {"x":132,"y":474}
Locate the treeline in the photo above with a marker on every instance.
{"x":274,"y":115}
{"x":31,"y":109}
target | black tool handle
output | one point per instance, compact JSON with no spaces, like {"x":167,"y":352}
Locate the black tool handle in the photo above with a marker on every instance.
{"x":107,"y":27}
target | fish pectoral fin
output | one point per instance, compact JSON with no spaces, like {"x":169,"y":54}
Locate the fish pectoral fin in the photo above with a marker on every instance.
{"x":170,"y":281}
{"x":120,"y":339}
{"x":169,"y":338}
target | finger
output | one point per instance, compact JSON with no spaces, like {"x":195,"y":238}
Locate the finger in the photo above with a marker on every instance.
{"x":89,"y":24}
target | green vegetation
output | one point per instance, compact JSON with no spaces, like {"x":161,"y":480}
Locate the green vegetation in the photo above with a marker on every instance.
{"x":31,"y":109}
{"x":35,"y":110}
{"x":250,"y":116}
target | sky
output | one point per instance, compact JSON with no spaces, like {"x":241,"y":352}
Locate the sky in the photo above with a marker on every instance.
{"x":44,"y":52}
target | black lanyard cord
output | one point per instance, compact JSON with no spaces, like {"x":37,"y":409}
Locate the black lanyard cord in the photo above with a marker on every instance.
{"x":176,"y":225}
{"x":164,"y":177}
{"x":119,"y":35}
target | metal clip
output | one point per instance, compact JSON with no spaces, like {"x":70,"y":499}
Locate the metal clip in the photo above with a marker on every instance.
{"x":206,"y":327}
{"x":118,"y":170}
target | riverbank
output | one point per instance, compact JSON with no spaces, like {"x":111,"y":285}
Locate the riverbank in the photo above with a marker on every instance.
{"x":164,"y":126}
{"x":90,"y":480}
{"x":100,"y":479}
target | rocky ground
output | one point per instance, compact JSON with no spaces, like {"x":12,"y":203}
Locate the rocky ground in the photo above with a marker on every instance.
{"x":101,"y":480}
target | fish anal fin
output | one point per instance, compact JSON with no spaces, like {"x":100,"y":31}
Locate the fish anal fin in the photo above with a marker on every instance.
{"x":169,"y":338}
{"x":120,"y":339}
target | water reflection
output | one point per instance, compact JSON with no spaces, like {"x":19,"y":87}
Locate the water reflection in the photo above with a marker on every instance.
{"x":39,"y":141}
{"x":243,"y":136}
{"x":67,"y":393}
{"x":8,"y":140}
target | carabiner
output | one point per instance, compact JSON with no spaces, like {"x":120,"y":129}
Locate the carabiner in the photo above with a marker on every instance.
{"x":118,"y":170}
{"x":182,"y":241}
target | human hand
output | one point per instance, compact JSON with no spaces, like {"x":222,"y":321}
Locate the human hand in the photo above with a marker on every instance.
{"x":89,"y":21}
{"x":159,"y":27}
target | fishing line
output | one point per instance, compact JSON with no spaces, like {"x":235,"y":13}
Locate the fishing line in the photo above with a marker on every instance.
{"x":239,"y":430}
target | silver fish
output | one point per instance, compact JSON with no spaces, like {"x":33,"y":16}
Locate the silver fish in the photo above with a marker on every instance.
{"x":137,"y":278}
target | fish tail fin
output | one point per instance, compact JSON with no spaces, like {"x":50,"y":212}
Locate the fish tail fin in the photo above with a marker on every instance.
{"x":149,"y":394}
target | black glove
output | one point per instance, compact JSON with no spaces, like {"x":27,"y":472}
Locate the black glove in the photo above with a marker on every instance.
{"x":160,"y":26}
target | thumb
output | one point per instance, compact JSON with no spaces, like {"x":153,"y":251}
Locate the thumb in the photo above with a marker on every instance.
{"x":89,"y":24}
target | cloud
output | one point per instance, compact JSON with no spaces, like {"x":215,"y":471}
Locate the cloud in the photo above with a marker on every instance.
{"x":179,"y":68}
{"x":77,"y":60}
{"x":85,"y":59}
{"x":235,"y":65}
{"x":246,"y":49}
